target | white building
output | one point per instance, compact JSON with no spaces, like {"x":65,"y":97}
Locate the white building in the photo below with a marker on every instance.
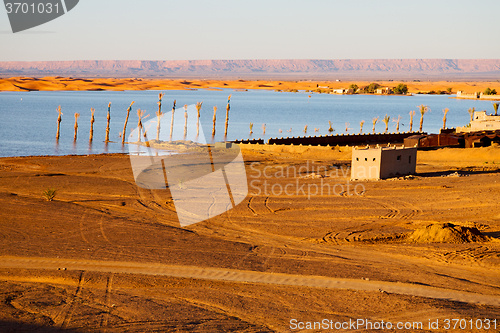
{"x":481,"y":122}
{"x":381,"y":163}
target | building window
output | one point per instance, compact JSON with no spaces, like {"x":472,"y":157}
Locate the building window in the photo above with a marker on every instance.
{"x":366,"y":159}
{"x":409,"y":159}
{"x":399,"y":158}
{"x":357,"y":158}
{"x":374,"y":159}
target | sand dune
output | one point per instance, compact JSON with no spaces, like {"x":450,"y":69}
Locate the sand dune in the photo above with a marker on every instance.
{"x":60,"y":83}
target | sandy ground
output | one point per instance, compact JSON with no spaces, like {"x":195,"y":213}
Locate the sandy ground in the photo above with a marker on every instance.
{"x":107,"y":256}
{"x":60,"y":83}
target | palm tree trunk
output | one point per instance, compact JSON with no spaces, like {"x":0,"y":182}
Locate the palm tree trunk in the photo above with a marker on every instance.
{"x":92,"y":120}
{"x":59,"y":118}
{"x":107,"y":125}
{"x":124,"y":133}
{"x":172,"y":121}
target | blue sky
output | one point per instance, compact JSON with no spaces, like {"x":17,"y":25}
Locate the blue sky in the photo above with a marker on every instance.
{"x":272,"y":29}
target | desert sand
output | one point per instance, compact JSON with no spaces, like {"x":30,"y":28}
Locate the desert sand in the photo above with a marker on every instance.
{"x":60,"y":83}
{"x":107,"y":256}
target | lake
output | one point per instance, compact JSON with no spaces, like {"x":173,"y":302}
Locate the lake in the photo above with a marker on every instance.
{"x":29,"y":119}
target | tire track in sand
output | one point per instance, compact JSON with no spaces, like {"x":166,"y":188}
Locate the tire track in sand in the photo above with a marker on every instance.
{"x":232,"y":275}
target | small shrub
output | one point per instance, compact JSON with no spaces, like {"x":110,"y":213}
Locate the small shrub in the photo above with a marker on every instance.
{"x":49,"y":194}
{"x":489,"y":91}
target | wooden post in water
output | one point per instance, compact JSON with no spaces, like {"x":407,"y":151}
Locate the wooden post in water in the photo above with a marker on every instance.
{"x":59,"y":118}
{"x":172,"y":121}
{"x":228,"y":107}
{"x":109,"y":119}
{"x":124,"y":133}
{"x":92,"y":120}
{"x":76,"y":126}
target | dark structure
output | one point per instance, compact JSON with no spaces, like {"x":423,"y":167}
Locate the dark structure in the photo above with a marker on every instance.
{"x":435,"y":140}
{"x":254,"y":141}
{"x":481,"y":139}
{"x":344,"y":140}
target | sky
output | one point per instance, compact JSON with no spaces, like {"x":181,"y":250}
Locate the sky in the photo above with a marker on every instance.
{"x":260,"y":29}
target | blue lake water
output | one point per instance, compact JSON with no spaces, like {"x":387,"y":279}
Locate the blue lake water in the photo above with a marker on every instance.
{"x":29,"y":119}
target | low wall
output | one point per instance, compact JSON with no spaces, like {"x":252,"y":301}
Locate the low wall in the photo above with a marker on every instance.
{"x":344,"y":140}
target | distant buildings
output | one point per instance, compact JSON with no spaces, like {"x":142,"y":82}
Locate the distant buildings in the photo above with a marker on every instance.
{"x":481,"y":122}
{"x":383,"y":91}
{"x":381,"y":163}
{"x":475,"y":95}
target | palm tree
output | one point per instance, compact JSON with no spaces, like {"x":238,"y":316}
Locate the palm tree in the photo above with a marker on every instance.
{"x":471,"y":113}
{"x":185,"y":121}
{"x":412,"y":113}
{"x":126,"y":121}
{"x":228,"y":107}
{"x":361,"y":123}
{"x":386,"y":122}
{"x":108,"y":117}
{"x":214,"y":121}
{"x":264,"y":129}
{"x":172,"y":120}
{"x":445,"y":112}
{"x":374,"y":122}
{"x":423,"y":110}
{"x":159,"y":115}
{"x":330,"y":129}
{"x":347,"y":127}
{"x":397,"y":121}
{"x":92,"y":120}
{"x":251,"y":128}
{"x":59,"y":118}
{"x":140,"y":114}
{"x":305,"y":129}
{"x":495,"y":107}
{"x":77,"y":115}
{"x":198,"y":108}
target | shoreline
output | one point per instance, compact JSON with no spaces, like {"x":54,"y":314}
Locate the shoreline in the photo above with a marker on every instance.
{"x":57,"y":83}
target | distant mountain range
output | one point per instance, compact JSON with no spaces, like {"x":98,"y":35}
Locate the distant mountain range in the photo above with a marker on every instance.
{"x":397,"y":69}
